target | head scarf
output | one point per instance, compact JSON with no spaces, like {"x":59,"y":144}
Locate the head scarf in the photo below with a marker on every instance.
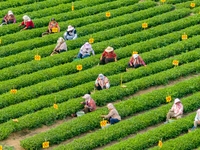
{"x":86,"y":96}
{"x":60,"y":40}
{"x":176,"y":100}
{"x":110,"y":106}
{"x":10,"y":12}
{"x":101,"y":76}
{"x":26,"y":18}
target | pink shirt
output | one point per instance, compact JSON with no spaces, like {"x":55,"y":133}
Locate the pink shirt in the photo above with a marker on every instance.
{"x":10,"y":18}
{"x":139,"y":60}
{"x":177,"y":108}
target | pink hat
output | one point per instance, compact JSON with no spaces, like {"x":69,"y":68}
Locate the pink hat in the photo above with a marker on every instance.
{"x":87,"y":45}
{"x":70,"y":28}
{"x":176,"y":100}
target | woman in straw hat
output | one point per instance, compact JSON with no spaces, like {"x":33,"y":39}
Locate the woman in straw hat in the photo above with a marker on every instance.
{"x":113,"y":115}
{"x":85,"y":51}
{"x":27,"y":23}
{"x":136,"y":61}
{"x":102,"y":82}
{"x":176,"y":111}
{"x":89,"y":105}
{"x":70,"y":34}
{"x":8,"y":18}
{"x":53,"y":27}
{"x":108,"y":56}
{"x":60,"y":47}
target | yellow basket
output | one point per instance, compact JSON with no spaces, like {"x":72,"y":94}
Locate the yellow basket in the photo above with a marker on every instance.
{"x":54,"y":30}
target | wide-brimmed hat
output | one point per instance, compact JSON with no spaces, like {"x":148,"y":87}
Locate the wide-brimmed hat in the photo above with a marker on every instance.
{"x":70,"y":28}
{"x":109,"y":49}
{"x":135,"y":56}
{"x":10,"y":12}
{"x":87,"y":45}
{"x":86,"y":96}
{"x":176,"y":100}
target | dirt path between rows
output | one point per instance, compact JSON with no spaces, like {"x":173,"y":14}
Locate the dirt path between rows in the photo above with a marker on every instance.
{"x":14,"y":138}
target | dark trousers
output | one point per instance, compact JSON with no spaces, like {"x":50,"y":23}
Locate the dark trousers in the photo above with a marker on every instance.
{"x":134,"y":66}
{"x":106,"y":60}
{"x":86,"y":110}
{"x":98,"y":87}
{"x":8,"y":22}
{"x":113,"y":120}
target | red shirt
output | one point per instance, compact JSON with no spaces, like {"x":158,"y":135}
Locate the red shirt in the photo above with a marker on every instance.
{"x":109,"y":55}
{"x":91,"y":104}
{"x":28,"y":24}
{"x":53,"y":24}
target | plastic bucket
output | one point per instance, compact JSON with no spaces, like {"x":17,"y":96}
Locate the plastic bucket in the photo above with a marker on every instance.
{"x":80,"y":113}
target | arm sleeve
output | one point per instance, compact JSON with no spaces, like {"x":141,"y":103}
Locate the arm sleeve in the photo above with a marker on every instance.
{"x":196,"y":118}
{"x":93,"y":52}
{"x":75,"y":36}
{"x":5,"y":17}
{"x":131,"y":60}
{"x":56,"y":46}
{"x":14,"y":20}
{"x":107,"y":82}
{"x":22,"y":23}
{"x":109,"y":114}
{"x":96,"y":82}
{"x":142,"y":61}
{"x":172,"y":109}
